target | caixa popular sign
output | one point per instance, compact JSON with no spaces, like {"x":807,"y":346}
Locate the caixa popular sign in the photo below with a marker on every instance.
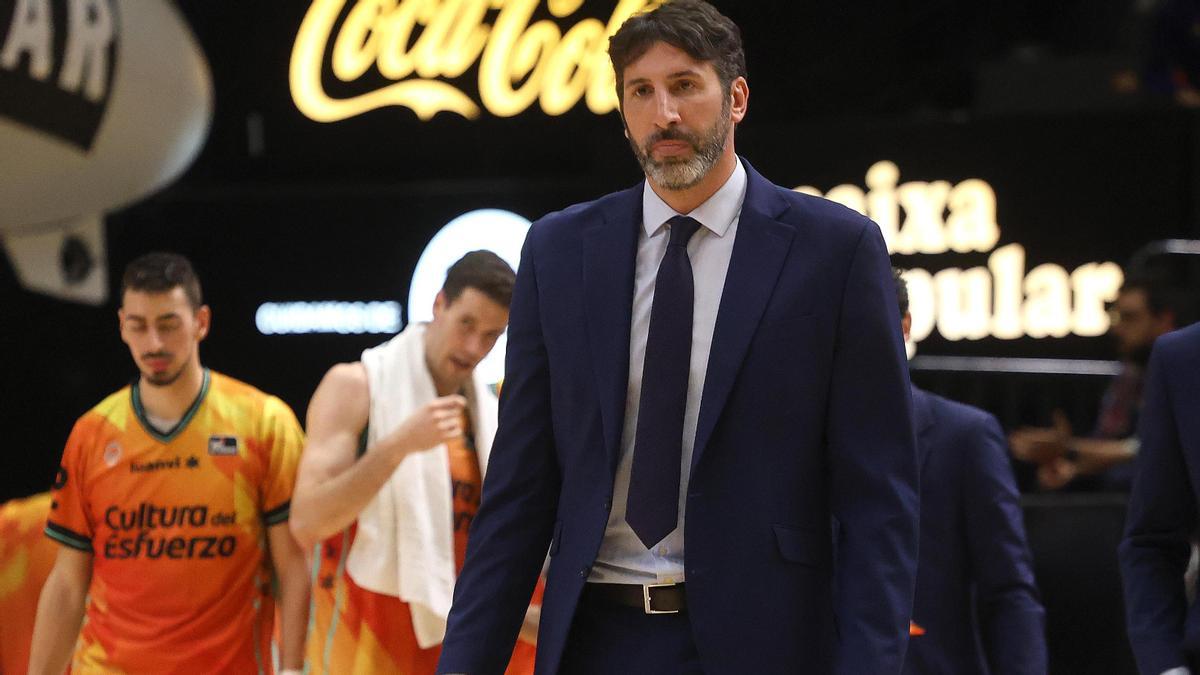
{"x":353,"y":56}
{"x":56,"y":65}
{"x":1001,"y":299}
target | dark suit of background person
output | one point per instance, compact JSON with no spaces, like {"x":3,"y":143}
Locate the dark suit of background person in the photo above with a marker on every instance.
{"x":976,"y":608}
{"x":976,"y":605}
{"x":1163,"y":630}
{"x":804,"y":416}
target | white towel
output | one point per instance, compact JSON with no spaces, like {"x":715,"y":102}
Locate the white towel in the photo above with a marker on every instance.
{"x":405,"y":541}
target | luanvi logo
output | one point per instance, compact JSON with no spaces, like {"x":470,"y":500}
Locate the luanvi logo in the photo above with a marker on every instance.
{"x":352,"y":56}
{"x":57,"y":59}
{"x":157,"y":465}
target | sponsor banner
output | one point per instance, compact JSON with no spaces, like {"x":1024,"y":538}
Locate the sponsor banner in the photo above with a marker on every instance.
{"x":135,"y":532}
{"x":57,"y":59}
{"x":354,"y":56}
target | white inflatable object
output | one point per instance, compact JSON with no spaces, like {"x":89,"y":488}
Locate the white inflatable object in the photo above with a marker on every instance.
{"x":102,"y":102}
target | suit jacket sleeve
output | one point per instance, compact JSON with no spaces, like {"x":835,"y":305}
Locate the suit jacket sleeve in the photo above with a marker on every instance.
{"x":511,"y":532}
{"x":1011,"y":616}
{"x":873,"y":469}
{"x":1162,"y":514}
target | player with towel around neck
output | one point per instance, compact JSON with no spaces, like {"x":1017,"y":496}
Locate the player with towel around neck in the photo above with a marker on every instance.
{"x":390,"y":479}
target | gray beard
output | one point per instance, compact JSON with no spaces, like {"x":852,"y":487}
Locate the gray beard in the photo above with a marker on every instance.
{"x":681,"y":174}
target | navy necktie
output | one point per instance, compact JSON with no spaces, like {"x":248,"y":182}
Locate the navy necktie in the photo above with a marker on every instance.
{"x":652,"y":508}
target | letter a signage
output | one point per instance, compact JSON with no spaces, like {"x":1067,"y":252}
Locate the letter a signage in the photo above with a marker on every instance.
{"x":57,"y":59}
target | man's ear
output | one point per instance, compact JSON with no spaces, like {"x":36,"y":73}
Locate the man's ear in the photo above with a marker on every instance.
{"x":739,"y":93}
{"x":203,"y":321}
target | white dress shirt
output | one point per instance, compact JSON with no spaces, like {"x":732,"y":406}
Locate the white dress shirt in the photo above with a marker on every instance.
{"x":622,"y":557}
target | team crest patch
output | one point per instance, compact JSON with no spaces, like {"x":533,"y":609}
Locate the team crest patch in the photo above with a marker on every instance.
{"x":112,"y":453}
{"x":222,"y":446}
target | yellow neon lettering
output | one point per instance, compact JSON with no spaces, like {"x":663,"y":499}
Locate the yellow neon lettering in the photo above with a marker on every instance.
{"x":519,"y":63}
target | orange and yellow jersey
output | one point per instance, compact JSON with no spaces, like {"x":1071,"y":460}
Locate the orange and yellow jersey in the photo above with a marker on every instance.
{"x":354,"y":631}
{"x":176,"y":522}
{"x":26,"y":558}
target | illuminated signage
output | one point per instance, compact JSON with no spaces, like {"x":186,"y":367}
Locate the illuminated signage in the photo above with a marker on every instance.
{"x":498,"y":231}
{"x":408,"y":53}
{"x":345,"y":318}
{"x":501,"y":232}
{"x":1002,"y":299}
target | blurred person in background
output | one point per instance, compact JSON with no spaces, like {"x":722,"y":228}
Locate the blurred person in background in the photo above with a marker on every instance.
{"x":171,"y":508}
{"x":26,"y":558}
{"x":390,"y":481}
{"x":1144,"y":310}
{"x":1173,"y":60}
{"x":1164,"y":630}
{"x":976,"y":608}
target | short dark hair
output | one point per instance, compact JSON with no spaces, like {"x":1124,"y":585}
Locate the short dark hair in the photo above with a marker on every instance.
{"x":1160,"y":297}
{"x":694,"y":26}
{"x":901,"y":290}
{"x":159,"y":272}
{"x":484,"y":271}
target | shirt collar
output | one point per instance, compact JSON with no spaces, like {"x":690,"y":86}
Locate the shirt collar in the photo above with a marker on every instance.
{"x":716,"y":214}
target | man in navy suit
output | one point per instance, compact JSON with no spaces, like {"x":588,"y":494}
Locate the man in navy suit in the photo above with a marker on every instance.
{"x":976,"y":608}
{"x":708,"y":362}
{"x":1164,"y":629}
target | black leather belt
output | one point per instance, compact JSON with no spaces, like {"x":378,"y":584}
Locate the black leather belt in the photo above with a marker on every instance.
{"x":650,"y":598}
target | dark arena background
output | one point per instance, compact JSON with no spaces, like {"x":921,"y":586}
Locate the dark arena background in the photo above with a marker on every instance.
{"x":1040,"y":119}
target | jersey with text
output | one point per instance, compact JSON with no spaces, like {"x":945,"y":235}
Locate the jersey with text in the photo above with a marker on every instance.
{"x":176,"y":521}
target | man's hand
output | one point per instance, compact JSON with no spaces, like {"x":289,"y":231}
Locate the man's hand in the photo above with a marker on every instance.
{"x":1187,"y":97}
{"x":334,"y":484}
{"x":1056,"y":473}
{"x":432,"y":424}
{"x":1042,"y":445}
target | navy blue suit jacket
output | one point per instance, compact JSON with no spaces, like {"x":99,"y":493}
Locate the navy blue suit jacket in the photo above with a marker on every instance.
{"x":976,"y":598}
{"x":1162,"y":508}
{"x":805,"y":414}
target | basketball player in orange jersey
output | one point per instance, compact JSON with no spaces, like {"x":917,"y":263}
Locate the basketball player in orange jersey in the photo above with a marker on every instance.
{"x":390,"y":479}
{"x":26,"y":558}
{"x":171,"y":509}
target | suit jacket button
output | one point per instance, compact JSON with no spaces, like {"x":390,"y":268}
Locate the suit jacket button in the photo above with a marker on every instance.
{"x":607,"y":504}
{"x":583,"y":572}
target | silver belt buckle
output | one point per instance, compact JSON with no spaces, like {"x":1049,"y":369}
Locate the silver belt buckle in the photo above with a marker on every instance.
{"x":646,"y":599}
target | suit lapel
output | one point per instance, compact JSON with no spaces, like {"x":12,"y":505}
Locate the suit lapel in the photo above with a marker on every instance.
{"x":609,"y":254}
{"x":759,"y":252}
